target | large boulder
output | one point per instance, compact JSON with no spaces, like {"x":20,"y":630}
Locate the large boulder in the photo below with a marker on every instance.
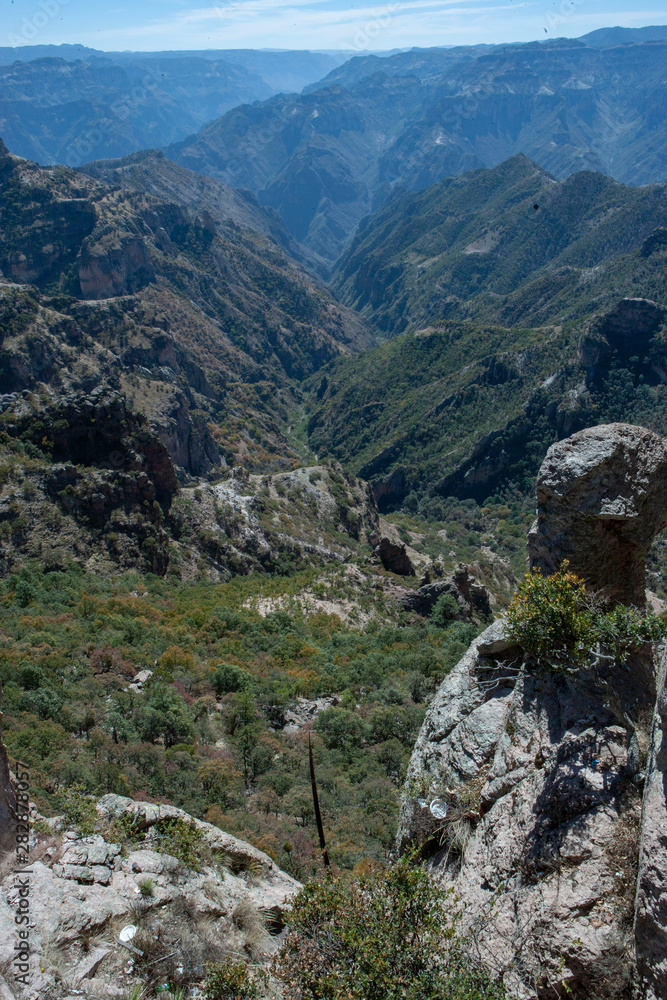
{"x":392,"y":555}
{"x":601,"y":499}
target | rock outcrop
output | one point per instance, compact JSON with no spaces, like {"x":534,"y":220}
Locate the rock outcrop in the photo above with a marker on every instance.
{"x":541,"y":771}
{"x":392,"y":555}
{"x":542,"y":829}
{"x":601,"y":499}
{"x":472,"y":597}
{"x":120,"y":268}
{"x":84,"y":889}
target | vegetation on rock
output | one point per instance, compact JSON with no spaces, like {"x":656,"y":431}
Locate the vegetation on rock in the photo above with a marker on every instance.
{"x":562,"y":625}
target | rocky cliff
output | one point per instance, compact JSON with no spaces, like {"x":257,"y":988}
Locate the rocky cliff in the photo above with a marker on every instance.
{"x":542,"y":773}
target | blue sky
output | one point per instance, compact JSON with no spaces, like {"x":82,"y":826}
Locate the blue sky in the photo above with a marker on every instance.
{"x":314,"y":24}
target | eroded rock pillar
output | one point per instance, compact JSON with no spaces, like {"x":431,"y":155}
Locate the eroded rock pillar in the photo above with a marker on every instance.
{"x":601,"y":499}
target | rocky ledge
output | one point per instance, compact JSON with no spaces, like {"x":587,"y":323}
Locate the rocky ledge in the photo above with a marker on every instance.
{"x":227,"y":897}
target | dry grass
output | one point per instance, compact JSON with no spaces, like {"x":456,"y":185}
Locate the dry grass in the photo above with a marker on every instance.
{"x":622,"y":853}
{"x":252,"y":925}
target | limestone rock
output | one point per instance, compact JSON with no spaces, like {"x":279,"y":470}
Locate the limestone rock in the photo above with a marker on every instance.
{"x":601,"y":499}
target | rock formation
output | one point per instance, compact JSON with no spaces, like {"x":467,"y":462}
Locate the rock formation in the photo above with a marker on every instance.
{"x":601,"y":499}
{"x":471,"y":597}
{"x":84,"y":889}
{"x":542,"y":771}
{"x":651,"y":904}
{"x":392,"y":555}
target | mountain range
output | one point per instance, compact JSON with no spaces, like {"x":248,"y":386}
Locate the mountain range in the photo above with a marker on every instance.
{"x":532,"y":308}
{"x":190,"y":302}
{"x":510,"y":245}
{"x":70,"y":104}
{"x":362,"y":128}
{"x":326,"y":158}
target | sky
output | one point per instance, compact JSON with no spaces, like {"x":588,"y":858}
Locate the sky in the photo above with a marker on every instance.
{"x":148,"y":25}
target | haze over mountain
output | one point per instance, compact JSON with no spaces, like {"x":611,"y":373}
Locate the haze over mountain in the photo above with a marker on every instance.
{"x":327,"y":157}
{"x":70,"y":104}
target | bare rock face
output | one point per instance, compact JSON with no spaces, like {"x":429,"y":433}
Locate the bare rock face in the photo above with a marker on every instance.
{"x":651,"y":906}
{"x":392,"y":555}
{"x":118,"y":269}
{"x":601,"y":499}
{"x":84,"y":887}
{"x":542,"y":829}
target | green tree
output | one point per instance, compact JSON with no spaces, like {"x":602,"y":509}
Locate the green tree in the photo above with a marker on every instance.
{"x":165,"y":716}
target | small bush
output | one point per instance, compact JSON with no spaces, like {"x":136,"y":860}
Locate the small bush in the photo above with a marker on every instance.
{"x":79,"y":812}
{"x":384,"y":935}
{"x":554,"y":618}
{"x":233,"y":980}
{"x":184,"y":841}
{"x":229,"y":678}
{"x":548,"y":616}
{"x":445,"y":611}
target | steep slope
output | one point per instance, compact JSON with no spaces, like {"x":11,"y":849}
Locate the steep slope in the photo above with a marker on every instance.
{"x":312,"y":158}
{"x":466,"y":410}
{"x":151,"y":172}
{"x":194,"y":313}
{"x":325,"y":158}
{"x":509,"y":244}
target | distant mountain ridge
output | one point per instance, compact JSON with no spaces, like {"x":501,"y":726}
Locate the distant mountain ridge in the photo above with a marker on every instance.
{"x":326,"y":158}
{"x":71,"y":104}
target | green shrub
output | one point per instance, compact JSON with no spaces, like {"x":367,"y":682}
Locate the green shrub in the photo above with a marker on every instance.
{"x":554,"y":618}
{"x":228,"y":678}
{"x":233,"y":980}
{"x":184,"y":841}
{"x":384,"y":935}
{"x":549,"y":616}
{"x":445,"y":611}
{"x":79,"y":810}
